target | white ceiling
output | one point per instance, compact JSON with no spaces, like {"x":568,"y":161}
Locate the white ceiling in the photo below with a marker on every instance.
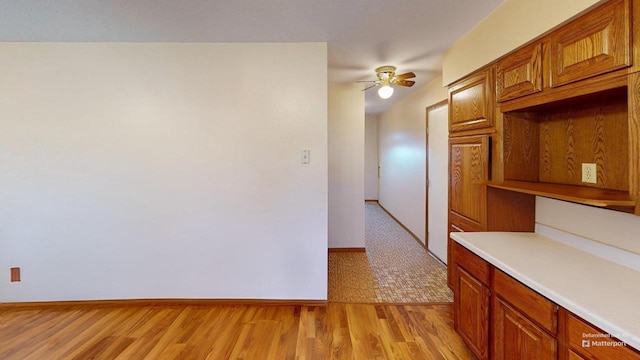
{"x":361,"y":34}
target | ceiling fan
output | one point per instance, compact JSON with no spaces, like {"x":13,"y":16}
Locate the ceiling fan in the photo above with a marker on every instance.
{"x":387,"y":77}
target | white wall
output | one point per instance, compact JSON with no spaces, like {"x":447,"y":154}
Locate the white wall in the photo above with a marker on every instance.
{"x":514,"y":23}
{"x":608,"y":227}
{"x":371,"y":157}
{"x":346,"y":165}
{"x":163,"y":171}
{"x":402,"y":156}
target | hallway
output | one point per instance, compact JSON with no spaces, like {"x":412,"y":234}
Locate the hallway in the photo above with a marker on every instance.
{"x":395,"y":268}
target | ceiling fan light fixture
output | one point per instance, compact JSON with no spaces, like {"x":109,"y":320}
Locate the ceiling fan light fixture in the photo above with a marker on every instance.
{"x":387,"y":79}
{"x":385,"y":91}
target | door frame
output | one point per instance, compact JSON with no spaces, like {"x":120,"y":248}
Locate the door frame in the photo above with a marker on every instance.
{"x":426,"y":149}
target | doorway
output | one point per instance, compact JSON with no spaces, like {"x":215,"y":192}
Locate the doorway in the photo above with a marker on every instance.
{"x":437,"y":179}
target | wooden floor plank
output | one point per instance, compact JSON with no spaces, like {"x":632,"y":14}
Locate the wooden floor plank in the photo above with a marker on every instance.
{"x":337,"y":331}
{"x":33,"y":329}
{"x":149,"y":334}
{"x":286,"y":329}
{"x":365,"y":331}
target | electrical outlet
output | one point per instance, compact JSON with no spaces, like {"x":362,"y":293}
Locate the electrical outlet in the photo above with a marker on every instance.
{"x":589,"y":173}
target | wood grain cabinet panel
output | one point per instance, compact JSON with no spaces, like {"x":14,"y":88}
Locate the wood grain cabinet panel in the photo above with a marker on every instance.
{"x":593,"y":44}
{"x":520,"y":73}
{"x":517,"y":337}
{"x":451,"y":259}
{"x":573,"y":356}
{"x":468,"y":174}
{"x":538,"y":308}
{"x":473,"y":264}
{"x":584,"y":341}
{"x":472,"y":313}
{"x":472,"y":102}
{"x":634,"y":138}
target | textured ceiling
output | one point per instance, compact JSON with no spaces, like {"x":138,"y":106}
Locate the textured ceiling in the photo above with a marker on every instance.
{"x":361,"y":34}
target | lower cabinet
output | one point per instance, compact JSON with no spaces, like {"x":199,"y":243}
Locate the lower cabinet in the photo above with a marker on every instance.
{"x":471,"y":300}
{"x":524,"y":323}
{"x":500,"y":318}
{"x":517,"y":337}
{"x":585,"y":341}
{"x":473,"y":314}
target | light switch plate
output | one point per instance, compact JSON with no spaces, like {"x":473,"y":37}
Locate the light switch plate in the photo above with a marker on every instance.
{"x":305,"y":156}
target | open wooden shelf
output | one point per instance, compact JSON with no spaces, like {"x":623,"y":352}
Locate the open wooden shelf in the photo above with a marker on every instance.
{"x":603,"y":198}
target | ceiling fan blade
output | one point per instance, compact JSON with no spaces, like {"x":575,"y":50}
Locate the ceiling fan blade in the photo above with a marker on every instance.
{"x":367,"y":81}
{"x":369,"y":87}
{"x":404,"y":82}
{"x":404,"y":76}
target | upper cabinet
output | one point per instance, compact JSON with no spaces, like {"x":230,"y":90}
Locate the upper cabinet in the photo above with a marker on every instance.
{"x":568,"y":101}
{"x":472,"y":102}
{"x":520,"y":73}
{"x":571,"y":60}
{"x":596,"y":43}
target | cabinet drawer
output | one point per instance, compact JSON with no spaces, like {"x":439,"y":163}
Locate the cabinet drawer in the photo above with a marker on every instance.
{"x":538,"y":308}
{"x":577,"y":331}
{"x":472,"y":263}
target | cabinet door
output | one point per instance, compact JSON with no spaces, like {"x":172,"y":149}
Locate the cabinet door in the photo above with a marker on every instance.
{"x":539,"y":309}
{"x":594,"y":44}
{"x":520,"y":73}
{"x":573,"y":356}
{"x":471,"y":306}
{"x":451,"y":258}
{"x":468,"y":173}
{"x":516,"y":337}
{"x":472,"y":102}
{"x":583,"y":340}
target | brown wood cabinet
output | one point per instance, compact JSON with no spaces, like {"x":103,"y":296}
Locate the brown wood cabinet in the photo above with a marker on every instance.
{"x":450,"y":256}
{"x":596,"y":43}
{"x":539,"y":309}
{"x":520,"y":73}
{"x":524,"y":322}
{"x":468,"y":175}
{"x":471,"y":300}
{"x":571,"y":98}
{"x":500,"y":318}
{"x":585,"y":341}
{"x":472,"y":102}
{"x":544,"y":149}
{"x":472,"y":127}
{"x":515,"y":336}
{"x":472,"y":315}
{"x":468,"y":196}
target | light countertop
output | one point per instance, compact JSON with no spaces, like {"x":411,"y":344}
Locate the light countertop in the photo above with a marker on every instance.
{"x":601,"y":291}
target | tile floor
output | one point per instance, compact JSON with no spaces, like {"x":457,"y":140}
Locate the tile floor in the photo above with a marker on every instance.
{"x":395,"y":268}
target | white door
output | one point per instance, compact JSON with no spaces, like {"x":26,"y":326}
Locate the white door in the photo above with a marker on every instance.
{"x":438,"y":189}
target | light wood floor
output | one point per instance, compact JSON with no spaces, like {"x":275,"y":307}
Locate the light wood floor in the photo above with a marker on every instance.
{"x":337,"y":331}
